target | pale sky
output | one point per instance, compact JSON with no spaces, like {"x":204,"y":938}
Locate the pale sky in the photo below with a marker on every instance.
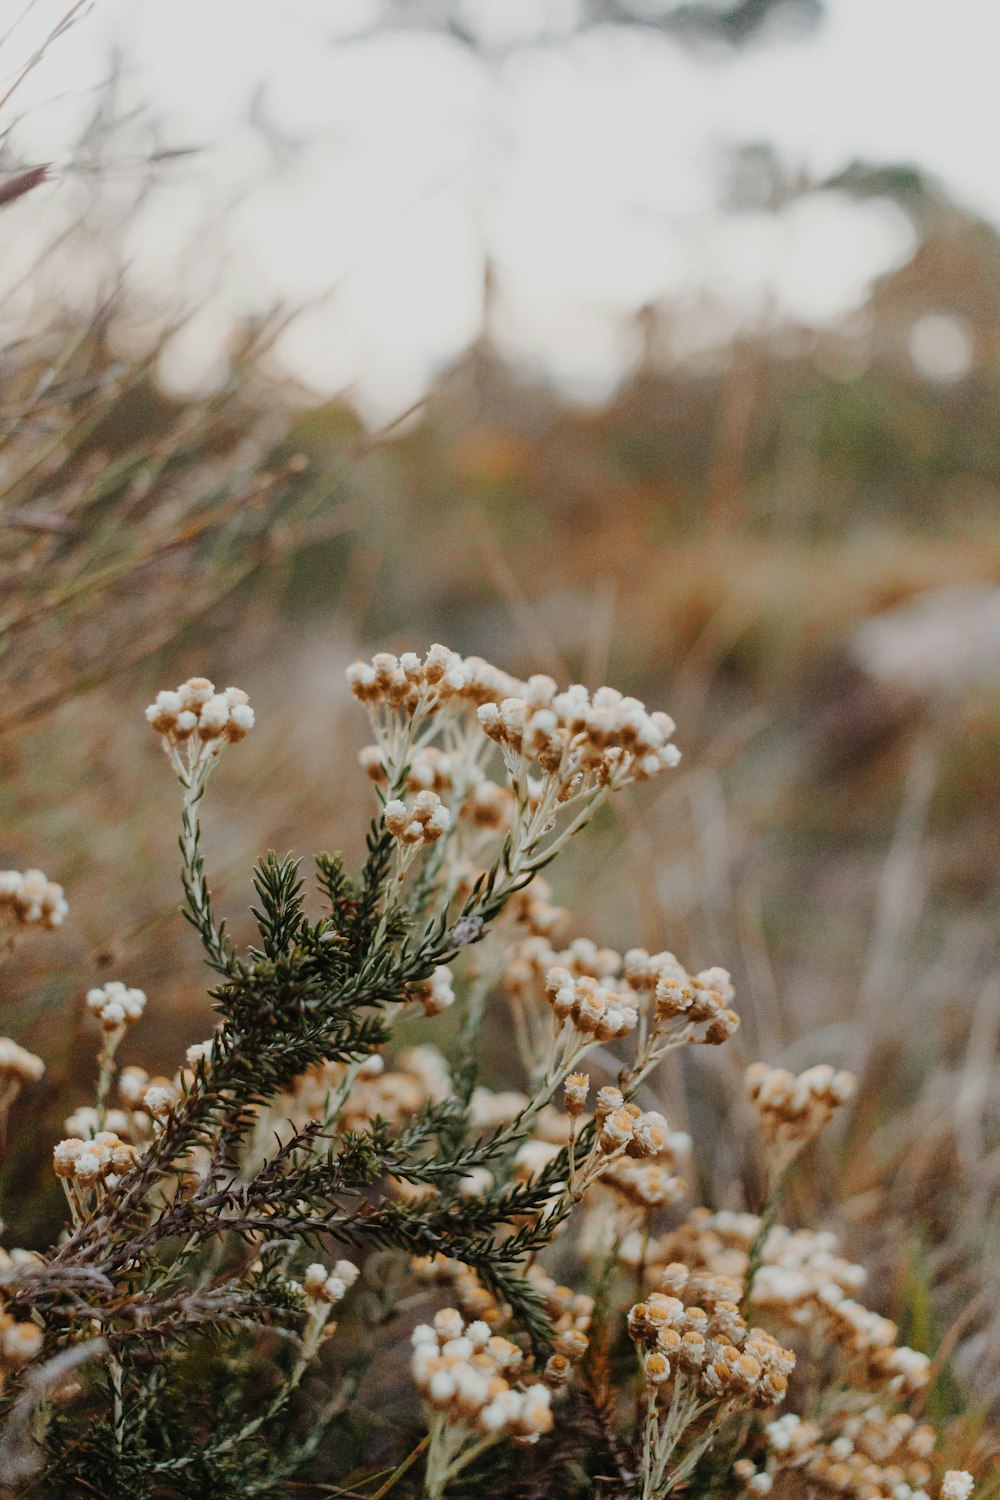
{"x":588,"y":166}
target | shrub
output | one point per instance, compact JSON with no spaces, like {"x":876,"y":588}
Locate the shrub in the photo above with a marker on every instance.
{"x":571,"y":1326}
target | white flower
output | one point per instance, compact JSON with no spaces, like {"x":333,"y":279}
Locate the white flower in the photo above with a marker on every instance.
{"x":116,"y":1004}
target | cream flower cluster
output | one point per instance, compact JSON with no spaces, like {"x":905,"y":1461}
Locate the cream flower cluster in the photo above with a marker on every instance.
{"x":793,"y":1110}
{"x":686,"y":1007}
{"x":86,"y":1121}
{"x":436,"y":993}
{"x":30,"y":898}
{"x":116,"y":1005}
{"x":796,"y":1264}
{"x":590,"y":1008}
{"x":422,"y":1077}
{"x":160,"y":1098}
{"x":19,"y":1343}
{"x":625,"y":1127}
{"x":320,"y":1284}
{"x":104,"y":1158}
{"x":802,"y":1283}
{"x":475,"y":1300}
{"x":469,"y":1374}
{"x":17,"y":1065}
{"x":571,"y":733}
{"x":528,"y":962}
{"x":693,"y":1327}
{"x":423,"y":822}
{"x":482,"y":802}
{"x":570,"y":1313}
{"x":197,"y":720}
{"x":323,"y":1289}
{"x":428,"y":769}
{"x":798,"y":1270}
{"x":145,"y":1096}
{"x":441,"y":679}
{"x":490,"y":1108}
{"x":871,"y":1339}
{"x":867,"y":1456}
{"x":603,"y":994}
{"x":634,"y":1151}
{"x":644,"y":1184}
{"x":488,"y":806}
{"x":532,"y":909}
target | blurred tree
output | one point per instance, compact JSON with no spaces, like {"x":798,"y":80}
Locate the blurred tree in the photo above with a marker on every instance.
{"x":491,"y":24}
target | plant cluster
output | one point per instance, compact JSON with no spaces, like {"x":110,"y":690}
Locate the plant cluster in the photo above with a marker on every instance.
{"x":573,"y":1327}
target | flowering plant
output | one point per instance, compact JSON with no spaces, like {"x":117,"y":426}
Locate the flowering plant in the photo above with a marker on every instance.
{"x":572,"y":1326}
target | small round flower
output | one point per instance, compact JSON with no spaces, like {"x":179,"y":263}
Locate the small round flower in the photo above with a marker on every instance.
{"x":479,"y":1334}
{"x":347,"y":1272}
{"x":201,"y":721}
{"x":656,"y":1367}
{"x":395,"y":815}
{"x":535,"y":1418}
{"x":17,"y":1064}
{"x":132,"y":1085}
{"x":616,"y":1130}
{"x":315,"y":1278}
{"x":214,"y":716}
{"x":575,"y":1092}
{"x":448,"y":1323}
{"x":436,"y":993}
{"x":19,"y":1342}
{"x":88,"y":1167}
{"x":116,"y":1005}
{"x":573,"y":1343}
{"x":30,"y":898}
{"x":64,"y":1156}
{"x":557,"y":1371}
{"x":322,"y":1285}
{"x":159,"y":1099}
{"x":608,"y":1100}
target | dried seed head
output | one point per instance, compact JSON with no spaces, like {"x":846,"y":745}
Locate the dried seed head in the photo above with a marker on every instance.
{"x":116,"y":1005}
{"x":575,"y":1092}
{"x":18,"y":1065}
{"x":436,"y":993}
{"x":793,"y":1110}
{"x":197,"y":720}
{"x":29,"y":899}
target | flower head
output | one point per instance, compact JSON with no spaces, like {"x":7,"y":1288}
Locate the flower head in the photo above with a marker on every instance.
{"x":29,"y":898}
{"x":195,"y":723}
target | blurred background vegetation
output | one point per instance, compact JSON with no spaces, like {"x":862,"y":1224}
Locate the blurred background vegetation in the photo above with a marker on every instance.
{"x":788,"y":538}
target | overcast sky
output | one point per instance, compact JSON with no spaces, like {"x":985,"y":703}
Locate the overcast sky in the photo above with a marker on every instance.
{"x":588,"y":166}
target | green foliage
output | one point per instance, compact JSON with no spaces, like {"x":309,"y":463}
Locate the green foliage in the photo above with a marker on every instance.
{"x":170,"y":1418}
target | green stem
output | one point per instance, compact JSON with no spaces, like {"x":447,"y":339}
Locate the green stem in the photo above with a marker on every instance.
{"x":198,"y":897}
{"x":650,"y":1436}
{"x":398,"y":1473}
{"x":106,"y":1061}
{"x":469,"y":1456}
{"x":755,"y":1256}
